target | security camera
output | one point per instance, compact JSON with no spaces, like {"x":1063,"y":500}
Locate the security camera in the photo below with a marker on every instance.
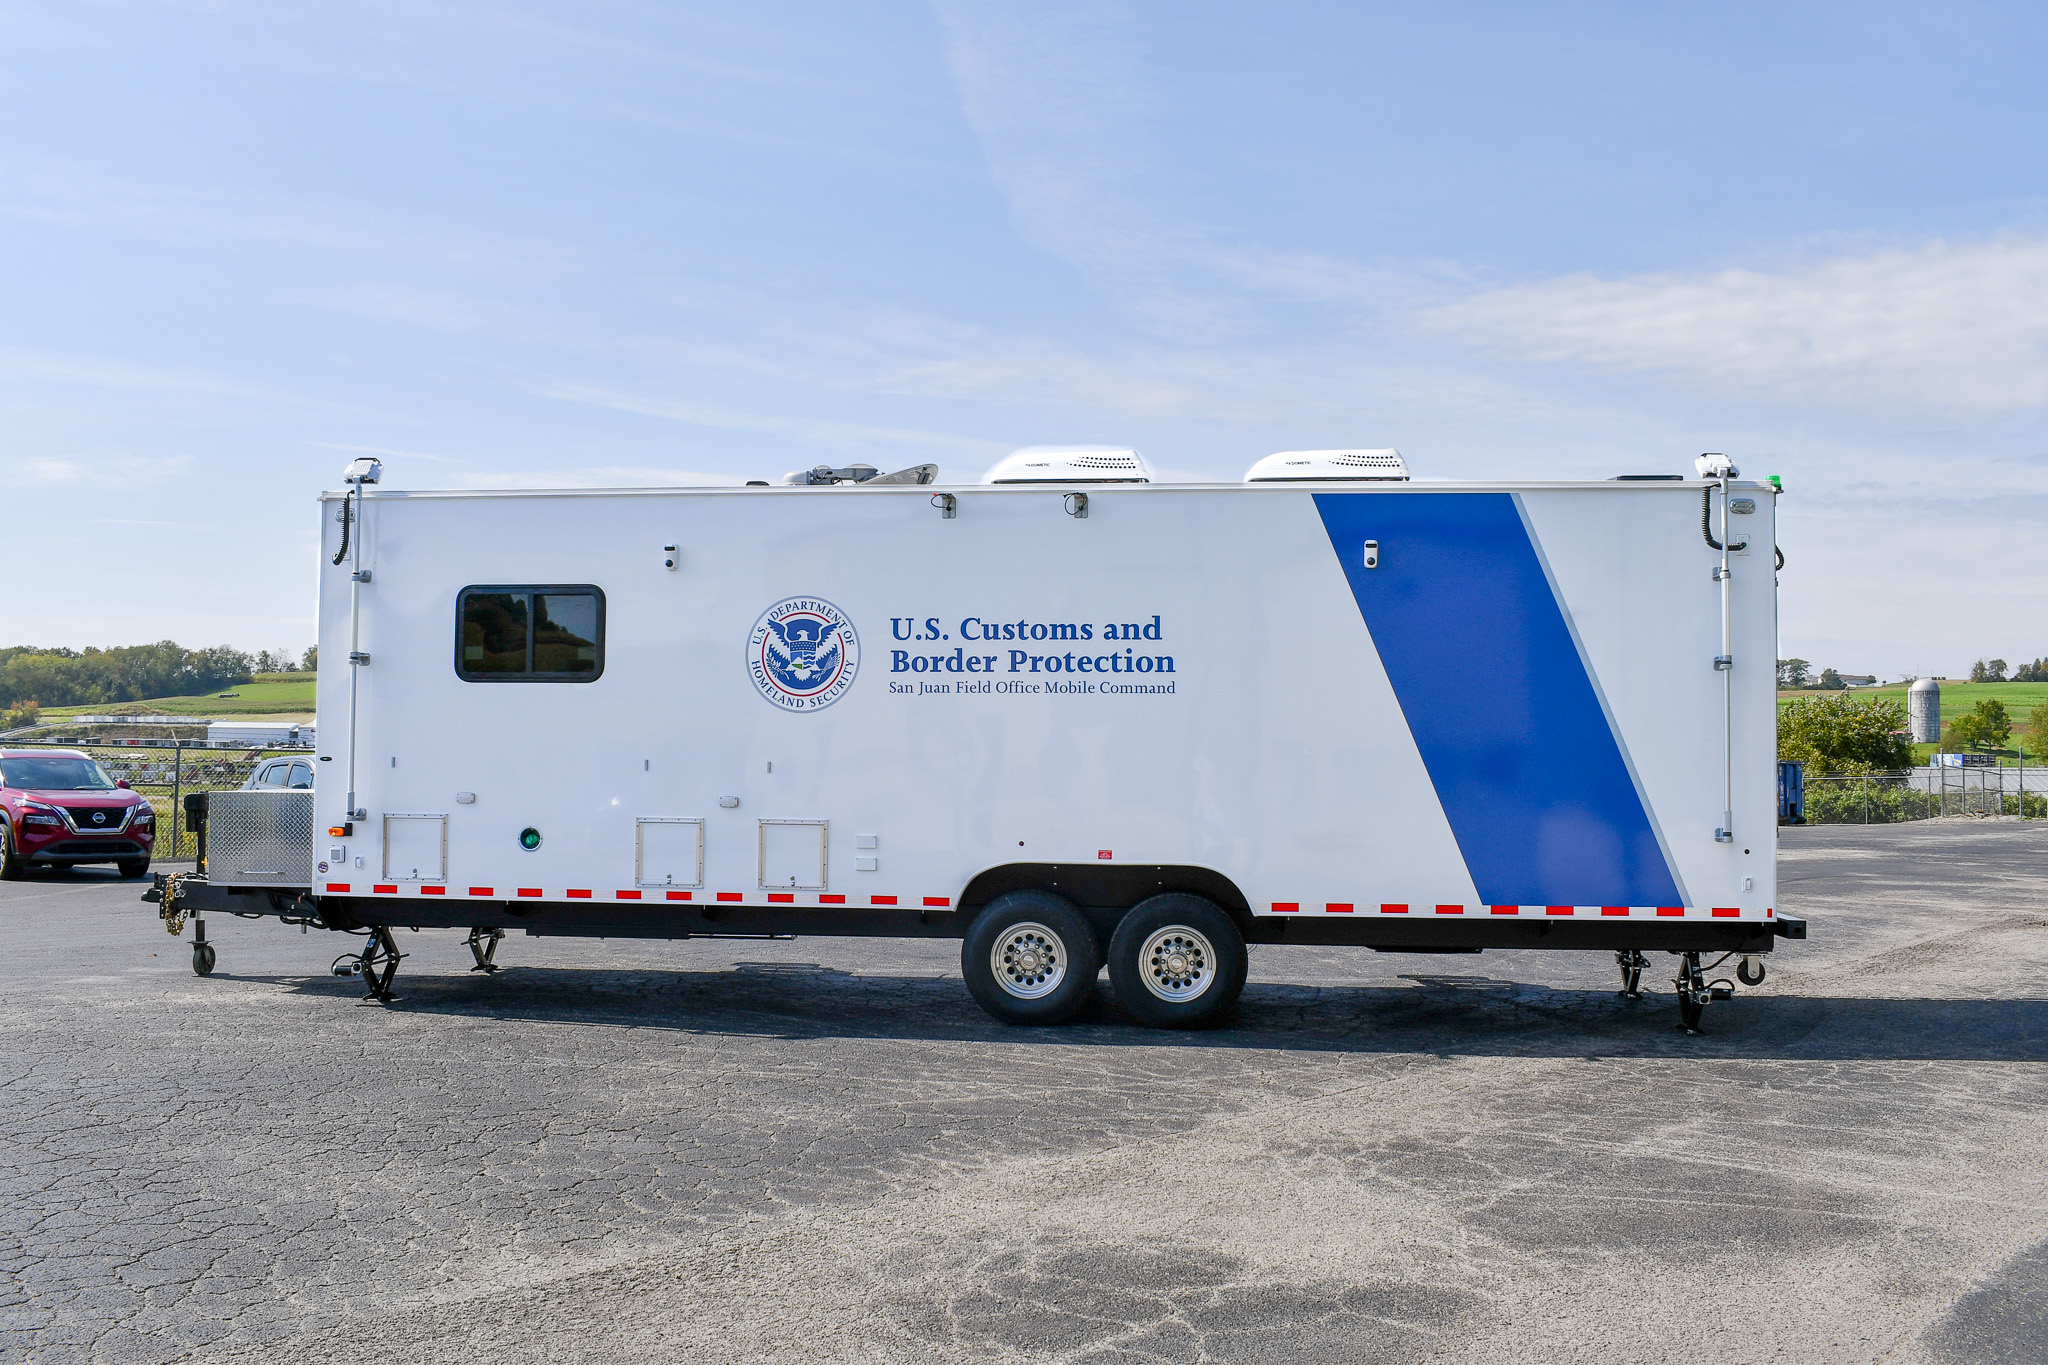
{"x":668,"y":556}
{"x":1715,"y":465}
{"x":366,"y":469}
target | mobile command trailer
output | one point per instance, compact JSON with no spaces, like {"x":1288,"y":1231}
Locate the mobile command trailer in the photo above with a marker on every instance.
{"x":1124,"y":723}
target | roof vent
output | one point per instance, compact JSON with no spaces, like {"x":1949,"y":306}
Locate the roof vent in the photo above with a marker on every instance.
{"x":1070,"y":464}
{"x":1305,"y":466}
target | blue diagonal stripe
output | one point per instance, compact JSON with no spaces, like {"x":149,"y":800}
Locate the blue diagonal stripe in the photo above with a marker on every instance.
{"x":1527,"y":768}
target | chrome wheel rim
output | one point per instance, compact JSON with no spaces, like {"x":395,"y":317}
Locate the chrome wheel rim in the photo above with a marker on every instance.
{"x":1029,"y":961}
{"x":1177,"y":964}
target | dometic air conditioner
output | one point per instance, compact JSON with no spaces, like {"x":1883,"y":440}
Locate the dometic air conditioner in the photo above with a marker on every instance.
{"x":1070,"y":464}
{"x":1307,"y":466}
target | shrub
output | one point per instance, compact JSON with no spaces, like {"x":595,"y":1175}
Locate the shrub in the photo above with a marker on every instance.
{"x":1843,"y":732}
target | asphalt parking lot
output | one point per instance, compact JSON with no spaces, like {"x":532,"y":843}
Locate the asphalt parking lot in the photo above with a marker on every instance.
{"x":821,"y":1150}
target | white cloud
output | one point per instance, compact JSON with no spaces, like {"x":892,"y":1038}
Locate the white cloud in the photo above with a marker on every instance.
{"x":442,"y":310}
{"x":386,"y":450}
{"x":1947,"y":326}
{"x":822,"y":432}
{"x":610,"y":476}
{"x":73,"y":471}
{"x":1062,"y":101}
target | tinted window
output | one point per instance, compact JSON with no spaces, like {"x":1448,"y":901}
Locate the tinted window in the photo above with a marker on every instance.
{"x":302,"y":776}
{"x":529,"y":634}
{"x":56,"y":774}
{"x":564,"y":632}
{"x":494,"y":631}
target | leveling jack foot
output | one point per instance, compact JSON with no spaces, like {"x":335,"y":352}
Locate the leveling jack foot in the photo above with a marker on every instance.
{"x":1631,"y":961}
{"x":483,"y":946}
{"x":376,"y":964}
{"x":1695,"y":991}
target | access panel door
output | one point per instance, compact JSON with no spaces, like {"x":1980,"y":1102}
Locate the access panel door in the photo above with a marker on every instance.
{"x":416,"y":848}
{"x":793,"y":854}
{"x":668,"y":852}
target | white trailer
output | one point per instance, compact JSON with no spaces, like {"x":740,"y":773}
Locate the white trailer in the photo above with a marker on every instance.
{"x":1069,"y":717}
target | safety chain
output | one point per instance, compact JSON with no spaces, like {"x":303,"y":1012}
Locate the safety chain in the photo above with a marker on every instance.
{"x":173,"y":917}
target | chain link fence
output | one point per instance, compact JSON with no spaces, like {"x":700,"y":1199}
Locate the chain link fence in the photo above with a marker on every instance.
{"x":1889,"y":798}
{"x":163,"y":774}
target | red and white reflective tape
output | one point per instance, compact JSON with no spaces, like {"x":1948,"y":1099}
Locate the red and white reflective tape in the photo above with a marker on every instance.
{"x":1532,"y":911}
{"x":798,"y":898}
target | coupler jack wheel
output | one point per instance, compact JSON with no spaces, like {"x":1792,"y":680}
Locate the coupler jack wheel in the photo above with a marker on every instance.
{"x":1631,"y":961}
{"x":1695,"y":991}
{"x":166,"y":891}
{"x":202,"y":951}
{"x":376,"y":964}
{"x":483,"y":946}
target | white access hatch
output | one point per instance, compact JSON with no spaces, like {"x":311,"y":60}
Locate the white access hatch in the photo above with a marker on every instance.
{"x":668,"y":852}
{"x":416,"y":848}
{"x":793,"y":855}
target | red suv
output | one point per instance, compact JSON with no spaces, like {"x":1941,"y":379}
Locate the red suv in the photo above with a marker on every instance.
{"x":58,"y":808}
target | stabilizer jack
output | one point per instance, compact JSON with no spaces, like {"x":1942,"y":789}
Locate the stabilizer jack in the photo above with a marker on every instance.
{"x":483,"y":946}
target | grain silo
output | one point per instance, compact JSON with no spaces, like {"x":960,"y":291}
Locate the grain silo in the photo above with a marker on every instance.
{"x":1923,"y":711}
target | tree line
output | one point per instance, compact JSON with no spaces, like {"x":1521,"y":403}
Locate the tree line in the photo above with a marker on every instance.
{"x":89,"y":677}
{"x":1993,"y":670}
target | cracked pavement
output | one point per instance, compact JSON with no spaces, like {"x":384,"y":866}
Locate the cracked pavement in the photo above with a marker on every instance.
{"x":820,"y":1150}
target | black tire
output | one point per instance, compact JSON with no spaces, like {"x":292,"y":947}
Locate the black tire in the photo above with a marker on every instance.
{"x":1031,"y":958}
{"x":133,"y":867}
{"x":12,"y":869}
{"x":1178,"y":961}
{"x":202,"y":959}
{"x":1746,"y":976}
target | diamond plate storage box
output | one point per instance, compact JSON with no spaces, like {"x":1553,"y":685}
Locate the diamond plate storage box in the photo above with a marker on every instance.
{"x":260,"y":838}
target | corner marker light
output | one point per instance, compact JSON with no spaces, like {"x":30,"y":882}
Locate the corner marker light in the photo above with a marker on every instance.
{"x":529,"y":838}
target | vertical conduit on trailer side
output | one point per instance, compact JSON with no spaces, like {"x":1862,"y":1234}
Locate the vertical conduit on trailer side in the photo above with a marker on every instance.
{"x":355,"y":615}
{"x":1726,"y":834}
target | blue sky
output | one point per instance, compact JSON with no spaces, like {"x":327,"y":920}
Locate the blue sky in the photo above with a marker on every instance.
{"x":612,"y":243}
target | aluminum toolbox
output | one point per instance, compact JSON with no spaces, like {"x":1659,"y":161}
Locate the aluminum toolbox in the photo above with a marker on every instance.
{"x":260,"y":838}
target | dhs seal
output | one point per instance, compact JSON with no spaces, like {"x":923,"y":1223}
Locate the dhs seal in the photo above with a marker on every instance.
{"x":803,"y":653}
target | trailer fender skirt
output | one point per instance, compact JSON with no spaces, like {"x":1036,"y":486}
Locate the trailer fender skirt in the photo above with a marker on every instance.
{"x":1789,"y":926}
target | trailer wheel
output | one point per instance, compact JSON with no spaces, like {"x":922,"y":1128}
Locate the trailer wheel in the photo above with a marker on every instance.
{"x":1030,"y":958}
{"x":202,"y":959}
{"x":1177,"y":961}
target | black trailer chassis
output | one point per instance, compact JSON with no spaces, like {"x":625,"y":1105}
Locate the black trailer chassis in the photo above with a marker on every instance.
{"x":189,"y":895}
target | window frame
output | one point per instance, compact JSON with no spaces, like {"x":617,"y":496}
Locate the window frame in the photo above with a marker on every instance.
{"x":531,"y":590}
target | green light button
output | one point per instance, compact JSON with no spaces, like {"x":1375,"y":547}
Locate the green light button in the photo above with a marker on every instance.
{"x":529,"y":838}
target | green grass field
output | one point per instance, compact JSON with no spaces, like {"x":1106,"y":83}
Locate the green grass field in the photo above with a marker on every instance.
{"x":270,"y":694}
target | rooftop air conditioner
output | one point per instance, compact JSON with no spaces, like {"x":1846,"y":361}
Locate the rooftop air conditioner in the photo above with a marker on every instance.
{"x":1070,"y":464}
{"x":1303,"y":466}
